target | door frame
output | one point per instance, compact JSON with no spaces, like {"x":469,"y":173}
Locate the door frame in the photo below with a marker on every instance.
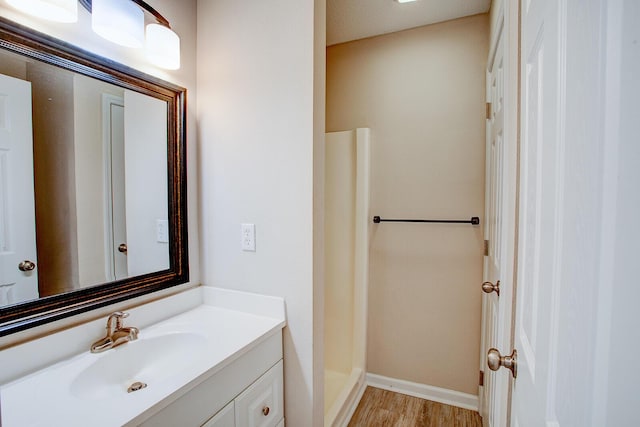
{"x":109,"y":245}
{"x":497,"y":44}
{"x":506,"y":23}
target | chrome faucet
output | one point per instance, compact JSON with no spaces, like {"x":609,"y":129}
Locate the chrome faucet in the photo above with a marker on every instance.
{"x":115,"y":335}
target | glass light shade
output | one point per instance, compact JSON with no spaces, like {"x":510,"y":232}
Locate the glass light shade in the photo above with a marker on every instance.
{"x":119,"y":21}
{"x":163,"y":47}
{"x":51,"y":10}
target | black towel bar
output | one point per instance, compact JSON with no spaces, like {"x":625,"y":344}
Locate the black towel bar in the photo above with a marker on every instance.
{"x":474,"y":220}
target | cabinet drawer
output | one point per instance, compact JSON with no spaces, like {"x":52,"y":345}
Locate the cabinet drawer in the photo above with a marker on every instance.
{"x":224,"y":418}
{"x":261,"y":405}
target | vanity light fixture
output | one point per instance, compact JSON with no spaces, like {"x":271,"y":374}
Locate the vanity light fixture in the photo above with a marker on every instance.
{"x":163,"y":47}
{"x":404,"y":1}
{"x":162,"y":44}
{"x":52,"y":10}
{"x":119,"y":21}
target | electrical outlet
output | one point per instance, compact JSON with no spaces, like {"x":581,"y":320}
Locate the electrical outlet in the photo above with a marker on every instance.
{"x":248,"y":236}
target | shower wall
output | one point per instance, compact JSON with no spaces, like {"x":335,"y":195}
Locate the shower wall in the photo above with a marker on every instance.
{"x":422,"y":92}
{"x":340,"y":215}
{"x":346,"y":231}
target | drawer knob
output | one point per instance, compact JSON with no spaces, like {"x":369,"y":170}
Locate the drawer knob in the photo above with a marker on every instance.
{"x":265,"y":411}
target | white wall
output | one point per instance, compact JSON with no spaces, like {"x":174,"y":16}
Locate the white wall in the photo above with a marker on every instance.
{"x":182,"y":16}
{"x":256,"y":133}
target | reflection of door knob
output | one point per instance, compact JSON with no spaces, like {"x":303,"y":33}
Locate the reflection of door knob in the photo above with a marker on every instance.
{"x":122,"y":248}
{"x":27,"y":265}
{"x":495,"y":360}
{"x":488,"y":287}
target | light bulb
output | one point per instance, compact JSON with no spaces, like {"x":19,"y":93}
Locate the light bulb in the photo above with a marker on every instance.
{"x":119,"y":21}
{"x":163,"y":47}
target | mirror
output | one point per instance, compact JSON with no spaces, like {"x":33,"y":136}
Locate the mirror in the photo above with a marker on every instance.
{"x":92,"y":181}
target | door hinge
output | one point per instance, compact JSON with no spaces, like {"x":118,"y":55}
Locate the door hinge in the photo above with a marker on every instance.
{"x":481,"y":379}
{"x":486,"y":248}
{"x":488,"y":111}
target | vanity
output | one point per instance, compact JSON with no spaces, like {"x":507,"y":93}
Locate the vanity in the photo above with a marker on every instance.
{"x":216,"y":364}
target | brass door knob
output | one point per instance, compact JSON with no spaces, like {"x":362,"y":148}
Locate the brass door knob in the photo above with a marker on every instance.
{"x":495,"y":360}
{"x":265,"y":411}
{"x":488,"y":287}
{"x":27,"y":265}
{"x":122,"y":248}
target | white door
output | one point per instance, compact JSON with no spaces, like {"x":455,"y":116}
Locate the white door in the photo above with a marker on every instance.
{"x":18,"y":278}
{"x":539,"y":214}
{"x":493,"y":231}
{"x":114,"y":188}
{"x":576,"y":347}
{"x":146,"y":186}
{"x":500,"y":215}
{"x":574,"y":57}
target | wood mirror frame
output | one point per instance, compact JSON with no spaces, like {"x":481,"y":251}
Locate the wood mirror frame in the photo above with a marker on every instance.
{"x":32,"y":44}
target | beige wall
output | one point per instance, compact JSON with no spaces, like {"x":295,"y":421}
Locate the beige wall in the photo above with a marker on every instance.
{"x":13,"y":65}
{"x":256,"y":63}
{"x":422,"y":93}
{"x":54,"y":178}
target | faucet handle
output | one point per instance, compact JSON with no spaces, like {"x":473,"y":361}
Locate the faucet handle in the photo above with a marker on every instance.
{"x":118,"y":315}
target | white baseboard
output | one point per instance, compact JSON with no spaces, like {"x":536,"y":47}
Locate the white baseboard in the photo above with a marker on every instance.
{"x":423,"y":391}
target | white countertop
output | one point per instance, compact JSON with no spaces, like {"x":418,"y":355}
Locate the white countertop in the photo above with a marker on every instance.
{"x":230,"y":324}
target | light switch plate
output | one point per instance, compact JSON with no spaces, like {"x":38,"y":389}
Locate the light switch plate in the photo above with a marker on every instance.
{"x":248,"y":235}
{"x":162,"y":230}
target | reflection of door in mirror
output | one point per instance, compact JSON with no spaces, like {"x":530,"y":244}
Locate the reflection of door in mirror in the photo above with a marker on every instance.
{"x":18,"y":272}
{"x":114,"y":200}
{"x":145,"y":133}
{"x":98,"y":142}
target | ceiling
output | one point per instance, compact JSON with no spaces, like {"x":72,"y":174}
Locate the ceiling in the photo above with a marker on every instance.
{"x":349,"y":20}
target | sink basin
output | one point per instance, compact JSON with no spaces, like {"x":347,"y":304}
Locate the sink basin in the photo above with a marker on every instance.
{"x":146,"y":360}
{"x":171,"y":356}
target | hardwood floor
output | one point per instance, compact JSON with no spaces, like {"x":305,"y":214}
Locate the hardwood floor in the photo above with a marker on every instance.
{"x":382,"y":408}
